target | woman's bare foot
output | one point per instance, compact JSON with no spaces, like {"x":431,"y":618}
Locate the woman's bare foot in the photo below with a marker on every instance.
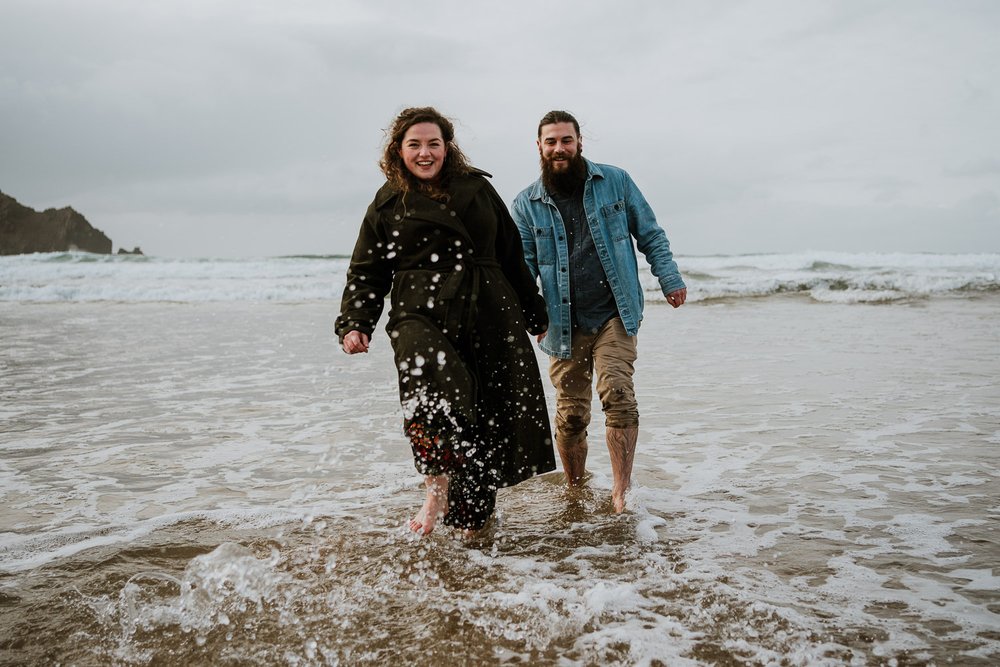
{"x":435,"y":505}
{"x":472,"y":536}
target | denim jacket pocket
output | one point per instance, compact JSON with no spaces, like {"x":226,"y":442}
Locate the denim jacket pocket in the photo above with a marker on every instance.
{"x":611,"y":210}
{"x":545,"y":245}
{"x":615,"y":220}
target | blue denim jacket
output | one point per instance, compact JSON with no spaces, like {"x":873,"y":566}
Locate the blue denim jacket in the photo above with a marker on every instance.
{"x":616,"y":212}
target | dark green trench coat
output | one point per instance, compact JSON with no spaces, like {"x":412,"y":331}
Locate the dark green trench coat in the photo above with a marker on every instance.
{"x":461,"y":303}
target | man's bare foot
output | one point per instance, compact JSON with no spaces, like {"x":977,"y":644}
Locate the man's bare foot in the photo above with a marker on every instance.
{"x":621,"y":447}
{"x":435,"y":505}
{"x":573,"y":454}
{"x":618,"y":500}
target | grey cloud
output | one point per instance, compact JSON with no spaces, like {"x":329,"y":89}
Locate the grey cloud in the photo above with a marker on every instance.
{"x":748,"y":125}
{"x":987,"y":166}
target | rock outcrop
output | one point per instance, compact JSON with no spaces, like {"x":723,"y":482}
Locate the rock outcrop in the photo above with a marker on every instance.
{"x":25,"y":230}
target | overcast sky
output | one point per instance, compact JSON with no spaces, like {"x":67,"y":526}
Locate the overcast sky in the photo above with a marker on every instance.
{"x":250,"y":127}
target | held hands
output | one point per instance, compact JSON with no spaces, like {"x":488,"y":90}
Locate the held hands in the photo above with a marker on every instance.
{"x":355,"y":341}
{"x":677,"y":298}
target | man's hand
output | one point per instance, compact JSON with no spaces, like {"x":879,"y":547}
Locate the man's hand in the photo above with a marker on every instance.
{"x":355,"y":341}
{"x":677,"y":299}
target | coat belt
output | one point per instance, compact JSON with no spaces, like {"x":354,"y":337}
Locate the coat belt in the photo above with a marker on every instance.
{"x":454,"y":280}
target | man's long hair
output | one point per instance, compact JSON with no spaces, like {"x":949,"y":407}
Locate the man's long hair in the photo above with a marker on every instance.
{"x":455,"y":162}
{"x":558,"y":116}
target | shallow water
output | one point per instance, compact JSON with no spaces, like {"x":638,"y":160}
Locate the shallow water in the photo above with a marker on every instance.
{"x":216,"y":483}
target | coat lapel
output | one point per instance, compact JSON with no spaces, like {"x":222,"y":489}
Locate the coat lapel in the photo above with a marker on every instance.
{"x":419,"y":207}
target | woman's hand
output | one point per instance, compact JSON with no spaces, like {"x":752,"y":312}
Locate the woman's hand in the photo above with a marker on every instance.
{"x":355,"y":341}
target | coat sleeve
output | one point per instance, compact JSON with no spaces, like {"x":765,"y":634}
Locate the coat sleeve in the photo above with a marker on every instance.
{"x":369,"y":279}
{"x":510,"y":254}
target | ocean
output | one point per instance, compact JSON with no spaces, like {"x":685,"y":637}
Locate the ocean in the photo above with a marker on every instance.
{"x":822,"y":276}
{"x":193,"y":473}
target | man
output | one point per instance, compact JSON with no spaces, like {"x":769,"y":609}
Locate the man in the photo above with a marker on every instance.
{"x":577,"y":223}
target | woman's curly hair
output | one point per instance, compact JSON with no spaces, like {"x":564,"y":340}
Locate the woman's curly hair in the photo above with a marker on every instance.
{"x":455,"y":162}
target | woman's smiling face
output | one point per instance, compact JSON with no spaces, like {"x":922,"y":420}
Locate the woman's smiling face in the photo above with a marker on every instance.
{"x":423,"y":150}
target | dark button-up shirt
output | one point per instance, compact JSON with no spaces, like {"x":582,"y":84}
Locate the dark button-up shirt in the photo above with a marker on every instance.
{"x":592,"y":303}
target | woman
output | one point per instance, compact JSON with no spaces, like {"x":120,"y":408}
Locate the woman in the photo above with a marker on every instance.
{"x":438,"y":240}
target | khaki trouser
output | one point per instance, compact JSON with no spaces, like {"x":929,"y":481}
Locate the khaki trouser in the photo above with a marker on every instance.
{"x":611,"y":353}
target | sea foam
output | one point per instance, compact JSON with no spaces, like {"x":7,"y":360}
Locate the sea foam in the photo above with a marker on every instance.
{"x":821,"y":276}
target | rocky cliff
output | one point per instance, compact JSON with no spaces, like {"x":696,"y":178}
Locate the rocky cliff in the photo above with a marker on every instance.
{"x":24,"y":230}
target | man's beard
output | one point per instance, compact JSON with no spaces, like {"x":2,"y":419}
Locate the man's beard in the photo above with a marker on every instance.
{"x":567,"y":180}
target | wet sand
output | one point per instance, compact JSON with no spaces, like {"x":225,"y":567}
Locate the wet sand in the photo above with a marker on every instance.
{"x":217,"y":484}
